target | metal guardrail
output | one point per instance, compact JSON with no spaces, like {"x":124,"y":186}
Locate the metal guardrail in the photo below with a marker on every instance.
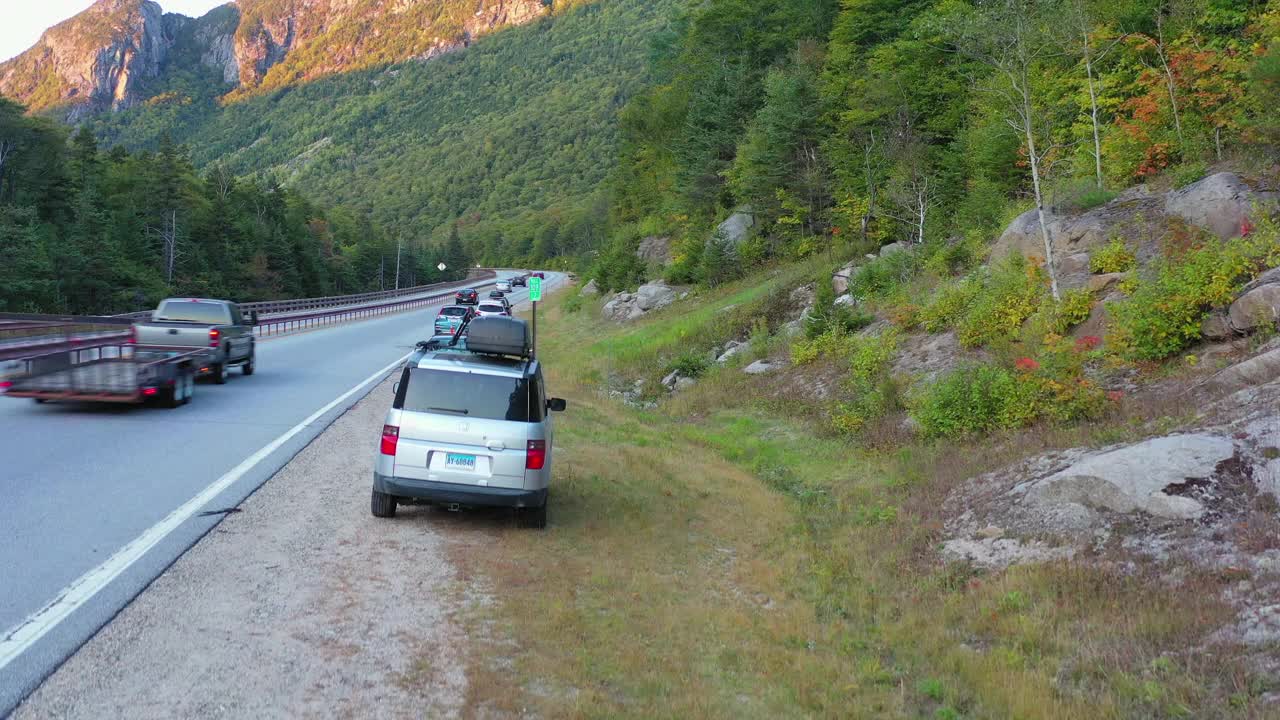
{"x":81,"y":332}
{"x":272,"y":307}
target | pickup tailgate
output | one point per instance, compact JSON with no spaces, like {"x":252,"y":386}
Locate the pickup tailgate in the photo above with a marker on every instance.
{"x":173,"y":334}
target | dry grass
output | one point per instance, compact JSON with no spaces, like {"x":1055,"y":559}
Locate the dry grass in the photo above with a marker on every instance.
{"x":724,"y":556}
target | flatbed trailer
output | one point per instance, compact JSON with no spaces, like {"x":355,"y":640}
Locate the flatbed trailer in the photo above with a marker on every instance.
{"x":118,"y":373}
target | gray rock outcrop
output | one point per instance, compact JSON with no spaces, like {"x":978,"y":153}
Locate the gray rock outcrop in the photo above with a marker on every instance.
{"x":737,"y":228}
{"x":1145,"y":477}
{"x":625,"y":306}
{"x":1220,"y":203}
{"x":1258,"y":304}
{"x":591,"y":289}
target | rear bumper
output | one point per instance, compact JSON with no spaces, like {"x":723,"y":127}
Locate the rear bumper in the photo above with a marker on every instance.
{"x":438,"y":492}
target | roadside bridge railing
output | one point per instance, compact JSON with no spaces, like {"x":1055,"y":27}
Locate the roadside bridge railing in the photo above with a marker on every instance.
{"x":23,"y":335}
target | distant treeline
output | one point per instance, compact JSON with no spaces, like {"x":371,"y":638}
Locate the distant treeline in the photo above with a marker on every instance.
{"x":84,"y":230}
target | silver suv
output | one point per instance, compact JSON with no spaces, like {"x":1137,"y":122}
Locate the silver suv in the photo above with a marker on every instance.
{"x":470,"y":428}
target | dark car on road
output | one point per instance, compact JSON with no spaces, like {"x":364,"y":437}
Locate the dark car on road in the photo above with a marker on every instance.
{"x":467,"y":296}
{"x":520,"y":281}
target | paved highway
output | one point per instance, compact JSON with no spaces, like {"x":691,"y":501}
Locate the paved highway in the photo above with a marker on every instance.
{"x":96,"y":501}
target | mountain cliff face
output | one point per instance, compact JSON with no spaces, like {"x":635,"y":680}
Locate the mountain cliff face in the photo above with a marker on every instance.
{"x":119,"y":53}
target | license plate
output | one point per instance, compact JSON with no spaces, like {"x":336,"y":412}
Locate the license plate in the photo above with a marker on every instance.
{"x":461,"y":462}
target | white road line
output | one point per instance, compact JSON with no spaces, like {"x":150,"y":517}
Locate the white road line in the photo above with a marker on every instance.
{"x":22,"y":636}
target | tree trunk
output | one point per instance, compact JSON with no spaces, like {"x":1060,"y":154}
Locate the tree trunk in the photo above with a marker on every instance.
{"x":1035,"y":184}
{"x":1171,"y":83}
{"x":1093,"y":112}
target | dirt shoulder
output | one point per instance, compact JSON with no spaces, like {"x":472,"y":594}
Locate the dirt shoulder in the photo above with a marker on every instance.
{"x":300,"y":605}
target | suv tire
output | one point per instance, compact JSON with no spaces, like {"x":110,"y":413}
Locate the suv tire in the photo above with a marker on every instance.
{"x":382,"y":505}
{"x":532,"y":517}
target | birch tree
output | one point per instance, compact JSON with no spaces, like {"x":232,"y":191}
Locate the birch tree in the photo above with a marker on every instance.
{"x":1013,"y":39}
{"x":1079,"y":40}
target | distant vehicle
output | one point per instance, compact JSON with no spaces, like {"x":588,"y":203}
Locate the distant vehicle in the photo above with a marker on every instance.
{"x":500,"y":297}
{"x":540,"y":276}
{"x":469,"y":427}
{"x":467,"y":296}
{"x":451,"y":318}
{"x":218,"y":326}
{"x":503,"y":286}
{"x":124,"y":373}
{"x":492,"y":308}
{"x":520,"y":281}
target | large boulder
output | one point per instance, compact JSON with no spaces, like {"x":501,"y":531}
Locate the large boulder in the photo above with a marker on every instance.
{"x":737,"y":228}
{"x":1221,"y":203}
{"x":1258,"y":304}
{"x":1155,"y":477}
{"x":655,"y":295}
{"x":893,"y":248}
{"x":840,"y":279}
{"x":590,"y":289}
{"x":655,"y":250}
{"x":622,"y":307}
{"x":1074,"y":236}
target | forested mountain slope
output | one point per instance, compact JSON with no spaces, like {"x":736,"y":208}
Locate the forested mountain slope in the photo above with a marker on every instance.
{"x":519,"y":127}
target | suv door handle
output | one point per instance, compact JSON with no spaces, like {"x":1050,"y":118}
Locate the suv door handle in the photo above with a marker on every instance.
{"x":496,"y":445}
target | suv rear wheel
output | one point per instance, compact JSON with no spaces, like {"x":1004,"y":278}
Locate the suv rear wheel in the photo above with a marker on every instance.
{"x":532,"y":517}
{"x":382,"y":505}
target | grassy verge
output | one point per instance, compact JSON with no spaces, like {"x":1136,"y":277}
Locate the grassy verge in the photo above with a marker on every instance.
{"x":721,"y":557}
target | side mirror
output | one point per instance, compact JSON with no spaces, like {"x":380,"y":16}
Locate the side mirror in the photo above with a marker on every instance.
{"x":395,"y":388}
{"x":556,"y":404}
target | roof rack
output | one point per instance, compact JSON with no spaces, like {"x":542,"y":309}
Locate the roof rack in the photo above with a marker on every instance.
{"x":491,"y":336}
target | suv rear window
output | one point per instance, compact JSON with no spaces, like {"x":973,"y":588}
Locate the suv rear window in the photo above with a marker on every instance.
{"x":465,"y":394}
{"x":196,"y":312}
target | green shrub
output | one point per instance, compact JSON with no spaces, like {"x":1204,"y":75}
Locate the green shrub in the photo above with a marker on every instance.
{"x":572,"y":303}
{"x":1164,"y":312}
{"x":980,"y":398}
{"x":1071,"y":310}
{"x":690,"y":364}
{"x":881,"y":276}
{"x":953,"y":258}
{"x":950,"y":303}
{"x":872,"y":391}
{"x":1187,"y":173}
{"x":1092,"y":198}
{"x":1113,"y":257}
{"x":971,"y":400}
{"x":1012,"y":291}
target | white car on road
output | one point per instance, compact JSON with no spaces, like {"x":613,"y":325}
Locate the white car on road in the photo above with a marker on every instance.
{"x":504,"y":285}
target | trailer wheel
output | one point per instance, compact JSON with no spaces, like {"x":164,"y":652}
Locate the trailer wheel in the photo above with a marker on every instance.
{"x":173,"y":396}
{"x":189,"y":386}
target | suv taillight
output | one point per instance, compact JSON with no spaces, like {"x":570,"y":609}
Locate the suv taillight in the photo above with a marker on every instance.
{"x":537,"y":457}
{"x":214,"y":334}
{"x":390,"y":436}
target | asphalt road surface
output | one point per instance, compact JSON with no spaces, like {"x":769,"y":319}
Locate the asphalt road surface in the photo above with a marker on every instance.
{"x":96,"y":501}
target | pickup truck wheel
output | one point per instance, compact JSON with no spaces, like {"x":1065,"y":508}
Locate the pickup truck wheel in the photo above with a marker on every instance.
{"x":532,"y":517}
{"x":247,"y":368}
{"x":219,"y":372}
{"x":383,"y":505}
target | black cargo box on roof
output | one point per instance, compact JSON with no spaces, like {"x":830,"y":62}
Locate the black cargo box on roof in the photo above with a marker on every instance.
{"x":498,"y":336}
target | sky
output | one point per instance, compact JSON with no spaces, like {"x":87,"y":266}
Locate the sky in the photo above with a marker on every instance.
{"x":24,"y":20}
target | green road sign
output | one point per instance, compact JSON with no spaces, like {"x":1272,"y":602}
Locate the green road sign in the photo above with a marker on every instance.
{"x":535,"y":289}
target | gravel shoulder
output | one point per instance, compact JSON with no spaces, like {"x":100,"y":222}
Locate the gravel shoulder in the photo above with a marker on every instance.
{"x":299,"y":605}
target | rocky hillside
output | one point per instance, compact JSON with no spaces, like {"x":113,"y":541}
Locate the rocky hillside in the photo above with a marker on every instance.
{"x":119,"y":53}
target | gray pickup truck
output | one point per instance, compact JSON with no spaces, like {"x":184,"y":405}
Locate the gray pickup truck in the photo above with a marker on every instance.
{"x":201,"y":323}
